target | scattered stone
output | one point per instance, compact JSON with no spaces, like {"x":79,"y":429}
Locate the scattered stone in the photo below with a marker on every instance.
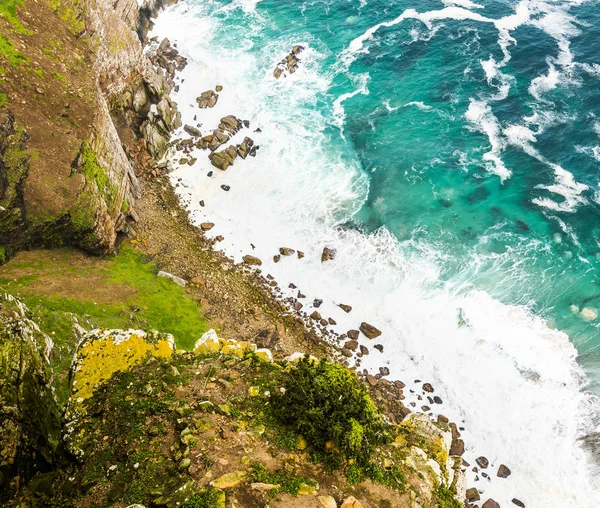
{"x":264,"y":487}
{"x":308,"y":490}
{"x":317,"y":303}
{"x":300,"y":254}
{"x":364,"y":350}
{"x":457,"y":447}
{"x":207,"y":99}
{"x":218,"y":88}
{"x":316,"y":316}
{"x":327,"y":255}
{"x":520,"y":504}
{"x":442,"y":419}
{"x":351,"y":502}
{"x":428,"y":388}
{"x":490,"y":503}
{"x":384,"y":371}
{"x":199,"y":281}
{"x":327,"y":502}
{"x":344,"y":307}
{"x":353,"y":334}
{"x":223,"y":159}
{"x":472,"y":495}
{"x":286,"y":251}
{"x":503,"y":471}
{"x":371,"y":380}
{"x":297,"y":305}
{"x":482,"y":462}
{"x":369,"y":330}
{"x":252,"y":260}
{"x":352,"y":345}
{"x":245,"y":148}
{"x":207,"y":226}
{"x":192,"y":131}
{"x":276,"y":258}
{"x":177,"y":280}
{"x":379,"y":347}
{"x":225,"y":187}
{"x":229,"y":480}
{"x":425,"y":409}
{"x":331,"y":321}
{"x":437,"y":400}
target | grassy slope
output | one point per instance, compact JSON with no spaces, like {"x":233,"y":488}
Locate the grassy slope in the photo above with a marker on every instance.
{"x":118,"y":292}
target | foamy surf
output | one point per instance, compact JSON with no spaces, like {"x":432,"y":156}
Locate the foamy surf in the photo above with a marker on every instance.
{"x":511,"y":380}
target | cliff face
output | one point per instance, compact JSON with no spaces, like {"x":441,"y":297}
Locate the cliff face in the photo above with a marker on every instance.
{"x":76,"y":92}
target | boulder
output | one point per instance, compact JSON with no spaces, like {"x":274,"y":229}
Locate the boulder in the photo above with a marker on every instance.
{"x":472,"y":495}
{"x":316,"y":316}
{"x":286,"y":251}
{"x":353,"y":334}
{"x":482,"y":462}
{"x":327,"y":502}
{"x":344,"y":307}
{"x":369,"y":330}
{"x":351,"y":502}
{"x":192,"y":131}
{"x":252,"y":260}
{"x":230,"y":124}
{"x":207,"y":226}
{"x":327,"y":254}
{"x":223,"y":159}
{"x":229,"y":480}
{"x":503,"y":471}
{"x":207,"y":99}
{"x":245,"y":147}
{"x":490,"y":503}
{"x":177,"y":280}
{"x":458,"y":447}
{"x":517,"y":502}
{"x":218,"y":88}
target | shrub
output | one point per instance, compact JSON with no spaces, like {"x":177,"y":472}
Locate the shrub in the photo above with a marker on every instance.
{"x":326,"y":402}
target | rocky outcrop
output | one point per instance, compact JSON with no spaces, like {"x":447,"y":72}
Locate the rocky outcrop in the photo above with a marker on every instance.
{"x":29,"y":414}
{"x":289,"y":64}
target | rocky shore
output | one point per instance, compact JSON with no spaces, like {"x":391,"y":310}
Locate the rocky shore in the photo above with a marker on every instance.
{"x":82,"y":164}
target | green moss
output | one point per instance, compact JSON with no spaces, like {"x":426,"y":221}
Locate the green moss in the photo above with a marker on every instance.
{"x":445,"y":498}
{"x":329,"y":406}
{"x":2,"y":255}
{"x":210,"y":498}
{"x":2,"y":97}
{"x":71,"y":12}
{"x":9,"y":54}
{"x":8,"y":10}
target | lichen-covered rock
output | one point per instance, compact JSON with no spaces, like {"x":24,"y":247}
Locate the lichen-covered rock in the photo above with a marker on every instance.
{"x":101,"y":354}
{"x":29,"y":414}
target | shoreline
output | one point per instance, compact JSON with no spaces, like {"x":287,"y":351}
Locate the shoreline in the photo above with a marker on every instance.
{"x":236,"y":250}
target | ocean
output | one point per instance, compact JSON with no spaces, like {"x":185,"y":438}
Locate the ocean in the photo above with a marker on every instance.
{"x":449,"y":152}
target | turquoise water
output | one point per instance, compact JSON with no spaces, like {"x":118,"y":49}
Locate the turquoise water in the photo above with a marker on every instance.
{"x":428,"y":177}
{"x":449,"y":152}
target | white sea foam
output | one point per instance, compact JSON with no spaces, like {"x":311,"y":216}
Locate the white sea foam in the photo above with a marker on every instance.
{"x":467,"y":4}
{"x":512,"y":381}
{"x":481,"y":116}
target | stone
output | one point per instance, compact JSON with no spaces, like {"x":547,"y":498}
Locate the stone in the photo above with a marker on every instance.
{"x":229,"y":480}
{"x":245,"y":147}
{"x":427,"y":388}
{"x":300,"y":254}
{"x":437,"y":400}
{"x":379,"y":347}
{"x":472,"y":495}
{"x":352,"y":345}
{"x":351,"y":502}
{"x":353,"y":334}
{"x":277,"y":72}
{"x":589,"y":313}
{"x":364,"y":350}
{"x":490,"y":503}
{"x":503,"y":471}
{"x":482,"y":462}
{"x":327,"y":502}
{"x":177,"y":280}
{"x":199,"y":281}
{"x":252,"y":260}
{"x":223,"y":159}
{"x":276,"y":258}
{"x":519,"y":503}
{"x":225,"y":187}
{"x":369,"y":330}
{"x":308,"y":490}
{"x":344,"y":307}
{"x":264,"y":487}
{"x":264,"y":354}
{"x":207,"y":226}
{"x":457,"y":447}
{"x":316,"y":316}
{"x":327,"y":254}
{"x":192,"y":131}
{"x":317,"y":303}
{"x":286,"y":251}
{"x":218,"y":88}
{"x":442,"y":419}
{"x":371,"y":380}
{"x":384,"y":371}
{"x":208,"y":344}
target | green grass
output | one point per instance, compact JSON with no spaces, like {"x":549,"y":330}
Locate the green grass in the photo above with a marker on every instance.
{"x":8,"y":10}
{"x":152,"y":303}
{"x":10,"y":54}
{"x":288,"y":482}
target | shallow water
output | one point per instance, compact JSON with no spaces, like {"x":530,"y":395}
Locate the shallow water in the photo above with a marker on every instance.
{"x":449,"y":151}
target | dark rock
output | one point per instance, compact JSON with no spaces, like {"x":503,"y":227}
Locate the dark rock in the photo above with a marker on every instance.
{"x":225,"y":187}
{"x":428,"y":388}
{"x":344,"y":307}
{"x":317,"y":303}
{"x":297,"y":305}
{"x":353,"y":334}
{"x":437,"y":400}
{"x":442,"y":418}
{"x":482,"y":462}
{"x":457,"y":447}
{"x":384,"y":371}
{"x":300,"y":254}
{"x":252,"y":260}
{"x":327,"y":254}
{"x":352,"y":345}
{"x":331,"y":321}
{"x":316,"y":316}
{"x":369,"y":330}
{"x":364,"y":350}
{"x":192,"y":131}
{"x":379,"y":347}
{"x":286,"y":251}
{"x":503,"y":471}
{"x":276,"y":258}
{"x":245,"y":147}
{"x":520,"y":504}
{"x":490,"y":503}
{"x":472,"y":495}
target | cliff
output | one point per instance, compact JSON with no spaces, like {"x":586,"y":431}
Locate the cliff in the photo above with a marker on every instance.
{"x":76,"y":92}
